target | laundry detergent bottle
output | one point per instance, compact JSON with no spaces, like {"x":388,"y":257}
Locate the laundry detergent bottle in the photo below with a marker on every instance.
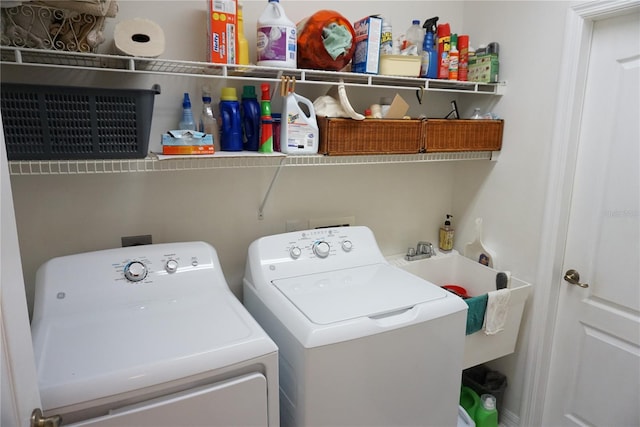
{"x":231,"y":127}
{"x":250,"y":114}
{"x":276,"y":38}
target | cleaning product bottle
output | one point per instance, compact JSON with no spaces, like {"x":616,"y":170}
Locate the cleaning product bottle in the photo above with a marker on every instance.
{"x":429,"y":61}
{"x":386,"y":38}
{"x":250,"y":117}
{"x":463,"y":65}
{"x":266,"y":129}
{"x":230,"y":117}
{"x":454,"y":58}
{"x":486,"y":413}
{"x":446,"y":235}
{"x":208,"y":123}
{"x":415,"y":37}
{"x":186,"y":123}
{"x":299,"y":131}
{"x":277,"y":37}
{"x":444,"y":45}
{"x":243,"y":43}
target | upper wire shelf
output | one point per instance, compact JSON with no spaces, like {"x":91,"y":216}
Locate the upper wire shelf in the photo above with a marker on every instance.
{"x":102,"y":62}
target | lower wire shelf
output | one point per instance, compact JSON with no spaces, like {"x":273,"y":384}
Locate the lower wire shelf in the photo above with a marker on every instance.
{"x":153,"y":163}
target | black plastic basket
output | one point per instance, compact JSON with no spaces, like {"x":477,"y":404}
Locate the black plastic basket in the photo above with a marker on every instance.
{"x":70,"y":123}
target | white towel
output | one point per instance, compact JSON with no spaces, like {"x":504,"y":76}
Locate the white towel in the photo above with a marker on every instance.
{"x":497,"y":309}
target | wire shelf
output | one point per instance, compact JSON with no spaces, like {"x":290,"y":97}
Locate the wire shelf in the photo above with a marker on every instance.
{"x":153,"y":164}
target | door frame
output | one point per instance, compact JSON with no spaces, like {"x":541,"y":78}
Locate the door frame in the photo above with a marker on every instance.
{"x":562,"y":165}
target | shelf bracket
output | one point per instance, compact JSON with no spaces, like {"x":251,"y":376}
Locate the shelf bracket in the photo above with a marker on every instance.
{"x":273,"y":181}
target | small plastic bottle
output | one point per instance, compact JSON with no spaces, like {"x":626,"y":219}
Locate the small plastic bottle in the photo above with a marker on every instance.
{"x":208,"y":123}
{"x":487,"y":414}
{"x":476,"y":114}
{"x":446,"y":235}
{"x":266,"y":129}
{"x":454,"y":58}
{"x":386,"y":38}
{"x":187,"y":122}
{"x":243,"y":43}
{"x":415,"y":36}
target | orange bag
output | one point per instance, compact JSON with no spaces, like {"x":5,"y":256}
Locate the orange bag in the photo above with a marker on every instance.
{"x":326,"y":41}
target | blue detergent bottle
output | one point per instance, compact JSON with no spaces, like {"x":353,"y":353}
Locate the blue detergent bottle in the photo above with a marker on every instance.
{"x":429,"y":61}
{"x":231,"y":128}
{"x":250,"y":115}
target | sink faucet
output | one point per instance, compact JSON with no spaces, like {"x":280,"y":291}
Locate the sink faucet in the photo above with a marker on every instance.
{"x":423,"y":250}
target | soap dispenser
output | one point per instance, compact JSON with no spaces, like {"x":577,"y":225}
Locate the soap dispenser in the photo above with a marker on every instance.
{"x":446,"y":235}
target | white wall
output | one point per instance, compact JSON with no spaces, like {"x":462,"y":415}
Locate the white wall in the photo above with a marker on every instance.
{"x":403,"y":203}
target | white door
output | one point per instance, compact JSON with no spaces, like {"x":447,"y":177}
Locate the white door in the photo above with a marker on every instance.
{"x":594,"y":376}
{"x":20,"y":393}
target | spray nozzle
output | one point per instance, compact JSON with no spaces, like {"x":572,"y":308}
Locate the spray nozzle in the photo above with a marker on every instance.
{"x":186,"y":102}
{"x":431,"y":25}
{"x":447,"y":220}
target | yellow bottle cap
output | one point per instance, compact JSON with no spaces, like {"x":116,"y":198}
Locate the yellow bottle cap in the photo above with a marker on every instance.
{"x":228,"y":94}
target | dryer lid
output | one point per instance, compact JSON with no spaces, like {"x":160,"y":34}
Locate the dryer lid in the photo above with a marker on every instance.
{"x":350,"y":293}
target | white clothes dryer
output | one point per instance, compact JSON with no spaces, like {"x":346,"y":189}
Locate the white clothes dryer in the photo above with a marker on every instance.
{"x":150,"y":336}
{"x":361,"y":342}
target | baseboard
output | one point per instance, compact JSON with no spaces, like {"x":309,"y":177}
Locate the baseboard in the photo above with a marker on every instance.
{"x":509,"y":419}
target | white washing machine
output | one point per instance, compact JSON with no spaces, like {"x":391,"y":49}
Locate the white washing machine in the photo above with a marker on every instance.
{"x":150,"y":336}
{"x":361,"y":342}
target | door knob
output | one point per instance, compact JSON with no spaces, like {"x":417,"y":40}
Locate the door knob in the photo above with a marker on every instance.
{"x":573,"y":277}
{"x":37,"y":420}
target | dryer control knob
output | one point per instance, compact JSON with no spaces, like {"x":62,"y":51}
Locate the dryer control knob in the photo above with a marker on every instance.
{"x":295,"y":252}
{"x":347,"y":245}
{"x":135,"y":271}
{"x":321,"y":249}
{"x":171,"y":266}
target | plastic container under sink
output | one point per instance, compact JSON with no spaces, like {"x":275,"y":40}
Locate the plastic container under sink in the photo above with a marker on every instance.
{"x":477,"y":279}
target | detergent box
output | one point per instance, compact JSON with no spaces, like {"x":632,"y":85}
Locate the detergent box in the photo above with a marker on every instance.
{"x":223,"y":34}
{"x":187,"y":142}
{"x":367,"y":56}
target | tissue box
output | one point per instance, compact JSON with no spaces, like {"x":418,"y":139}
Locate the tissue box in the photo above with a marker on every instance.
{"x":484,"y":69}
{"x":223,"y":36}
{"x":367,"y":55}
{"x":187,"y":142}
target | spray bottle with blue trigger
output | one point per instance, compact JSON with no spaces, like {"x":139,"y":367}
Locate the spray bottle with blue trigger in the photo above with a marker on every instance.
{"x":429,"y":62}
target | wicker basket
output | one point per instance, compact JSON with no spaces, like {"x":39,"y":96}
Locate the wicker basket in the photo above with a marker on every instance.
{"x":463,"y":135}
{"x":346,"y":137}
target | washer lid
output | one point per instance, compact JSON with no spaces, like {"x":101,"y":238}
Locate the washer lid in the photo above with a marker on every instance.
{"x":366,"y":291}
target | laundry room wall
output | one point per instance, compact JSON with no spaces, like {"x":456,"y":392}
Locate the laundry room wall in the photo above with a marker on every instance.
{"x":401,"y":203}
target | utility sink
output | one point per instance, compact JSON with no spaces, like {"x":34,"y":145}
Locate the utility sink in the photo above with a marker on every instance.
{"x":477,"y":279}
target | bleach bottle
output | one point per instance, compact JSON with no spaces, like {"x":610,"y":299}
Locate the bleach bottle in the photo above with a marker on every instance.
{"x":276,"y":38}
{"x":231,"y":128}
{"x":298,"y":131}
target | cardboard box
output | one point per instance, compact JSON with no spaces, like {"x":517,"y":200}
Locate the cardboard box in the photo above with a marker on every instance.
{"x":223,"y":34}
{"x":366,"y":58}
{"x":187,"y":142}
{"x":484,"y":69}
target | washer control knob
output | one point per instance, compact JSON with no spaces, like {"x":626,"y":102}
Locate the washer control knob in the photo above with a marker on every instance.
{"x":171,"y":266}
{"x":295,"y":252}
{"x":135,"y":271}
{"x":321,"y":249}
{"x":347,"y":245}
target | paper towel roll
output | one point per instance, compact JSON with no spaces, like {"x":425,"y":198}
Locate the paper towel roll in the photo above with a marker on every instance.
{"x":139,"y":37}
